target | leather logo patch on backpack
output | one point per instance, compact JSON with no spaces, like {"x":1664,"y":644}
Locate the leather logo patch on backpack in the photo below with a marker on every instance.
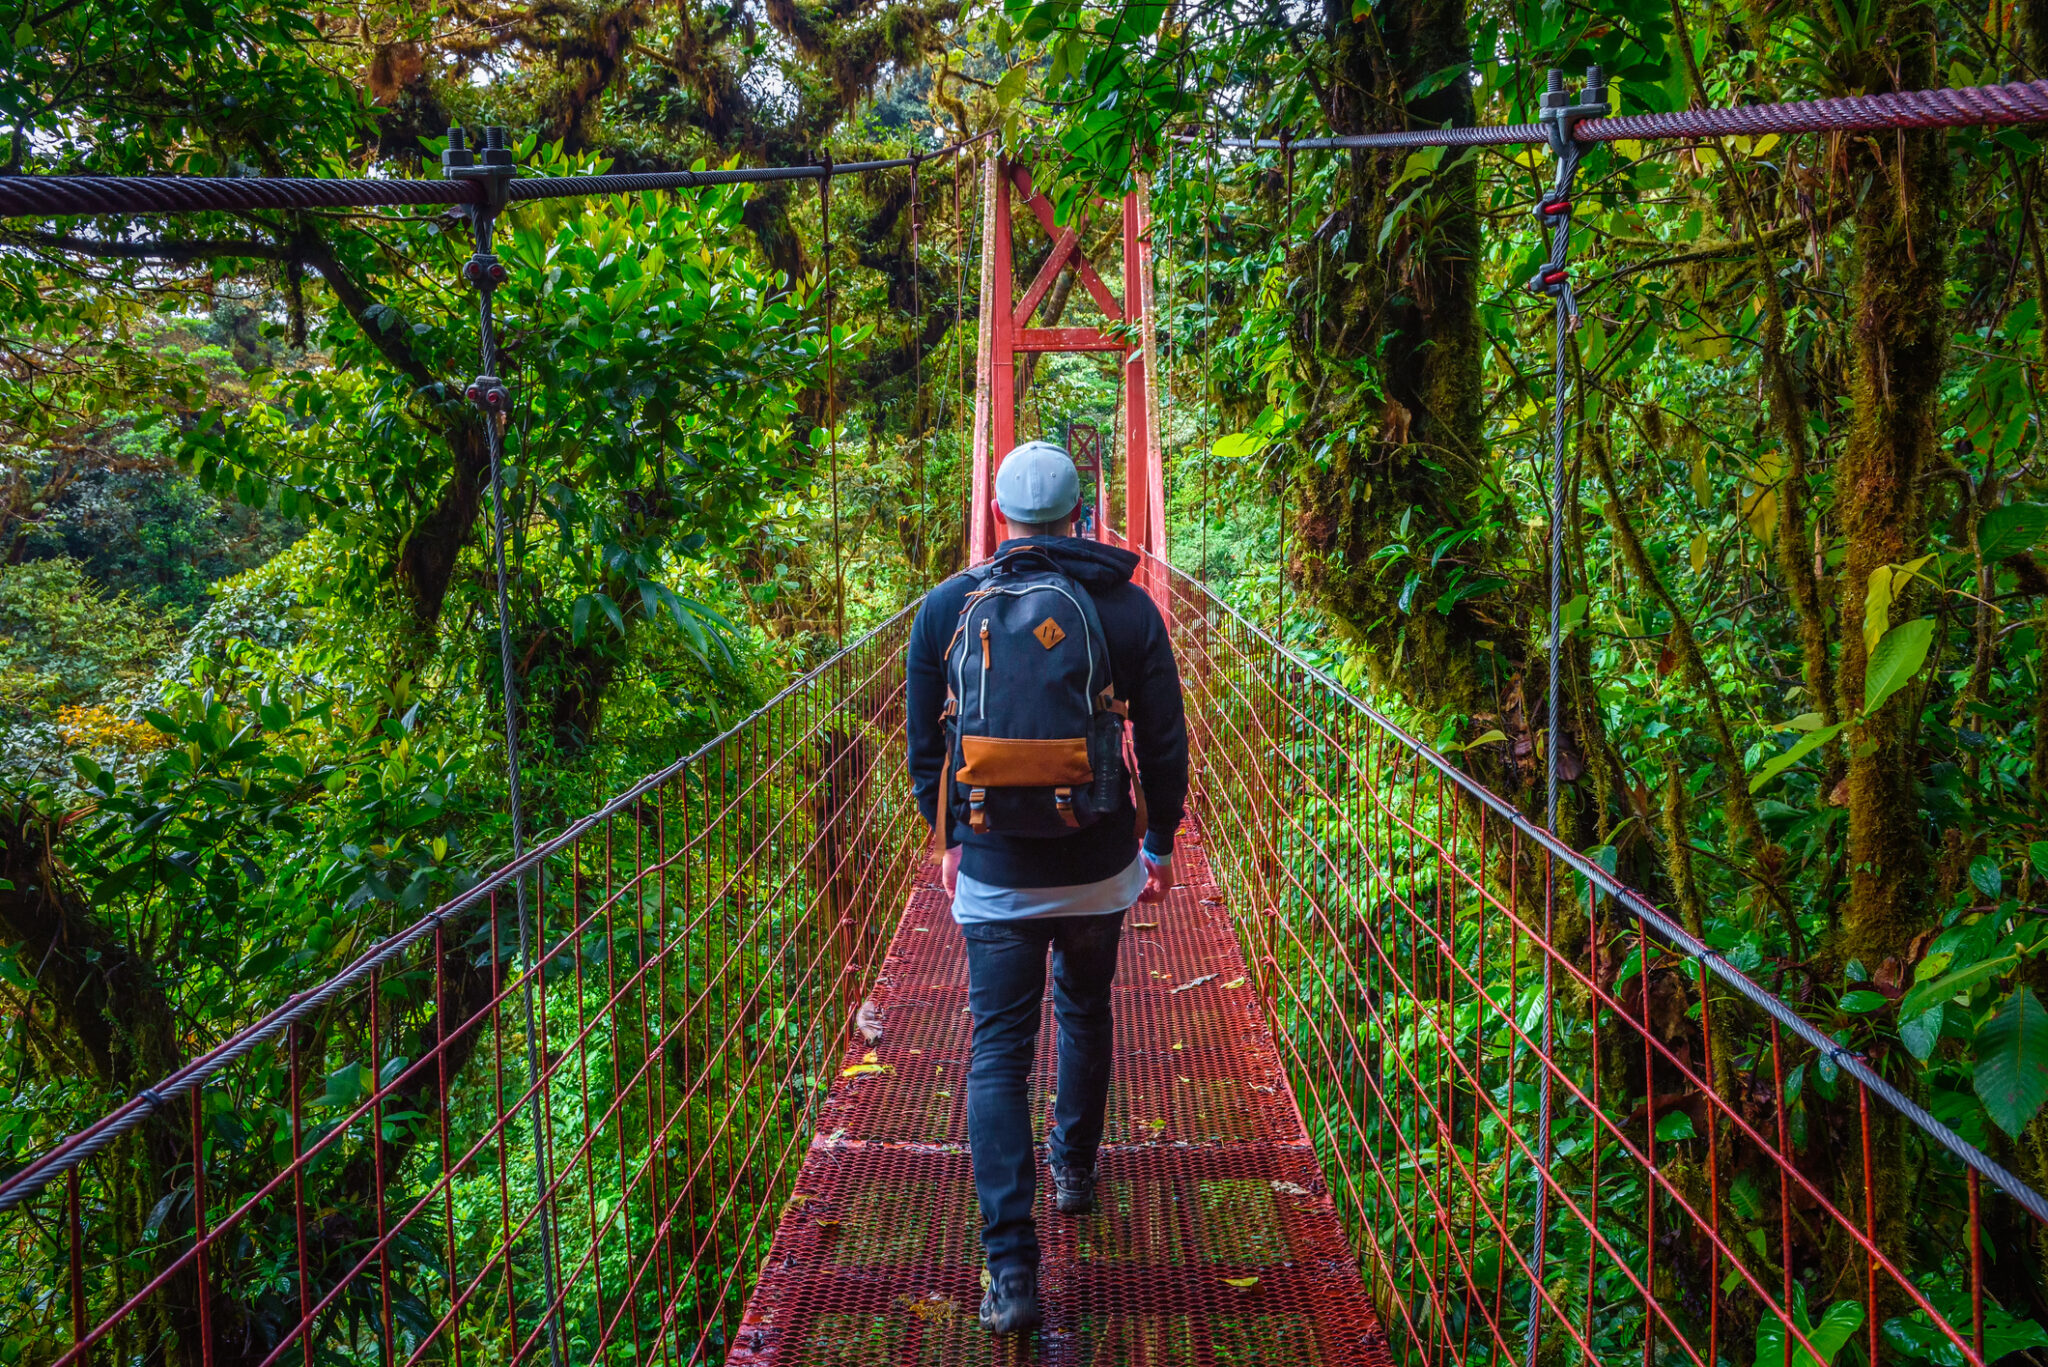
{"x":1048,"y":633}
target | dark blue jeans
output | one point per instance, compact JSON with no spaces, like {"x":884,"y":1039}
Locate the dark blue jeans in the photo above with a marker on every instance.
{"x":1005,"y":985}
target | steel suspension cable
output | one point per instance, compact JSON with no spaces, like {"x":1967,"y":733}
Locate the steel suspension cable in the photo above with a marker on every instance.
{"x":483,"y":269}
{"x":831,"y":401}
{"x":960,"y":404}
{"x":1208,"y":364}
{"x":1960,"y":107}
{"x":45,"y":196}
{"x":1286,"y":241}
{"x":917,"y":407}
{"x":1561,"y":117}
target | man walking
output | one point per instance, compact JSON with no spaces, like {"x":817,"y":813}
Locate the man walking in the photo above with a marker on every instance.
{"x":1023,"y":673}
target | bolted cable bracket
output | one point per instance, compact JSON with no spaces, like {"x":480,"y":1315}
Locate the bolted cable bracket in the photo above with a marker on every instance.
{"x":489,"y":166}
{"x":488,"y":392}
{"x":1559,"y":115}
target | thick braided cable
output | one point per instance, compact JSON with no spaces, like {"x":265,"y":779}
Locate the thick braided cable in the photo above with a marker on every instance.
{"x":2017,"y":102}
{"x":63,"y":196}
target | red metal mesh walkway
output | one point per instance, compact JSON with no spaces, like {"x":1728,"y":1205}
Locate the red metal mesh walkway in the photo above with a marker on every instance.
{"x":1215,"y":1244}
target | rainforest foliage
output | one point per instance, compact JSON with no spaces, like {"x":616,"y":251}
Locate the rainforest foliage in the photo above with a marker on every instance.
{"x":248,"y":658}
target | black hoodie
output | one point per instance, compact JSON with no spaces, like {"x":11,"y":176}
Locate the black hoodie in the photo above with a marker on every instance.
{"x":1141,"y":658}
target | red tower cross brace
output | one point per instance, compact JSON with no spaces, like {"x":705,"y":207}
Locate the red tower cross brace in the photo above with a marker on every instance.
{"x":1006,"y":333}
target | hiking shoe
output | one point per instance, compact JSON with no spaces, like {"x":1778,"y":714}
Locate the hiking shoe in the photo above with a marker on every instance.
{"x":1073,"y":1189}
{"x":1010,"y":1305}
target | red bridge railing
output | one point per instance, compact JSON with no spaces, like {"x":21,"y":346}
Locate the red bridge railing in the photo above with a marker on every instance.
{"x":1560,"y":1127}
{"x":559,"y":1118}
{"x":551,"y":1123}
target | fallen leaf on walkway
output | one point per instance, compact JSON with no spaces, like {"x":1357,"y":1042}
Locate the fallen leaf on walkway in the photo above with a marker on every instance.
{"x":920,"y":930}
{"x":1183,"y":1079}
{"x":1156,"y":1124}
{"x":1289,"y":1188}
{"x":929,"y":1307}
{"x":1241,"y":1283}
{"x":867,"y":1069}
{"x":947,"y":1095}
{"x":1178,"y":1045}
{"x":1144,"y":925}
{"x":1235,"y":982}
{"x":1192,"y":982}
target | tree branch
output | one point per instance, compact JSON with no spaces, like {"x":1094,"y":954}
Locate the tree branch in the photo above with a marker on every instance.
{"x":167,"y":249}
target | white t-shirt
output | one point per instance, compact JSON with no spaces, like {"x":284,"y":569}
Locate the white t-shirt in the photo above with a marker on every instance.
{"x":974,"y":900}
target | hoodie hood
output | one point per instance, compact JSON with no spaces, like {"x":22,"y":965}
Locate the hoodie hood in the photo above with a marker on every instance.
{"x":1092,"y":564}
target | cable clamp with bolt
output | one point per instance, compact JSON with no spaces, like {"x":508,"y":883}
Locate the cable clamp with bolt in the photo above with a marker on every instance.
{"x":494,"y":173}
{"x":1560,"y":115}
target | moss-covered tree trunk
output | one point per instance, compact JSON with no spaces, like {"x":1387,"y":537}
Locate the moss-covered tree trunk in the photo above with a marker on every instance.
{"x":1898,"y":339}
{"x":1403,"y":308}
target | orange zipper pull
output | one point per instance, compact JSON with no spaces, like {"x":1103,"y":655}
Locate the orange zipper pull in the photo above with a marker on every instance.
{"x":984,"y":644}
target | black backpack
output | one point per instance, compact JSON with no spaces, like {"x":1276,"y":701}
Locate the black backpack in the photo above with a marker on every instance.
{"x":1034,"y":730}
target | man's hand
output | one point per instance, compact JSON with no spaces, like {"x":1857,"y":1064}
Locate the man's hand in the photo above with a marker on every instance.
{"x":1158,"y":877}
{"x":949,"y":870}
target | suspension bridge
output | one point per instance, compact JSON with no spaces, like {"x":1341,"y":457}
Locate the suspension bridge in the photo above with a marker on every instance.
{"x":683,"y":1083}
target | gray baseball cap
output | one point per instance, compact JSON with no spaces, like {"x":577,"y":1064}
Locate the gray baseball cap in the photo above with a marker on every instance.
{"x":1037,"y":483}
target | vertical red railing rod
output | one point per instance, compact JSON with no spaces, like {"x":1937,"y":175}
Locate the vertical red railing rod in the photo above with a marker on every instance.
{"x":199,"y":1231}
{"x":1869,"y":1220}
{"x":74,"y":1219}
{"x":297,"y":1084}
{"x":1593,"y":1092}
{"x":441,"y":1010}
{"x":1649,"y":1145}
{"x":1976,"y":1274}
{"x":499,"y":1124}
{"x":1714,"y":1083}
{"x":385,"y":1347}
{"x":1784,"y":1195}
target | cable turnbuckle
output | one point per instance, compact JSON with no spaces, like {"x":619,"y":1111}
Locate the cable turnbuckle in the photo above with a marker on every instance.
{"x":488,"y":392}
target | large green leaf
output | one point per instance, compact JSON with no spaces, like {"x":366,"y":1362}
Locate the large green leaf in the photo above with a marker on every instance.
{"x":1922,"y":1032}
{"x":1835,"y":1329}
{"x":1898,"y":657}
{"x":2011,"y":529}
{"x":1952,"y":984}
{"x":2012,"y":1061}
{"x":1798,"y":750}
